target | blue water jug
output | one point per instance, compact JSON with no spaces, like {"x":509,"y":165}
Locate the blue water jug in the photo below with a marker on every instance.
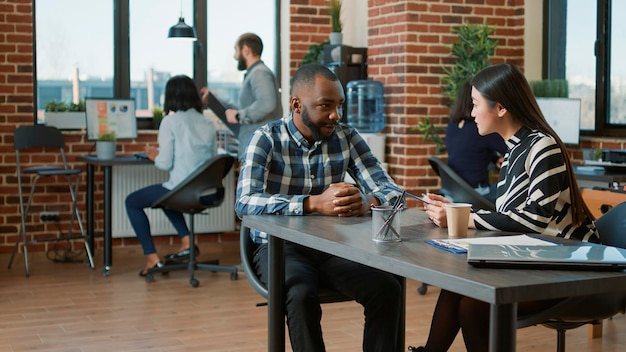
{"x":365,"y":105}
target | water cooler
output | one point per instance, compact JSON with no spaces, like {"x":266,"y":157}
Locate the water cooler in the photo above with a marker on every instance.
{"x":365,"y":111}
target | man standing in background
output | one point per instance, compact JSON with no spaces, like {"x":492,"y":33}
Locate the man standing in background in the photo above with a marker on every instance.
{"x":259,"y":98}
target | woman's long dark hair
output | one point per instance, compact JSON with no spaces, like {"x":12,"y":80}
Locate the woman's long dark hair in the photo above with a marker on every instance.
{"x":506,"y":84}
{"x":181,"y":94}
{"x":462,"y":107}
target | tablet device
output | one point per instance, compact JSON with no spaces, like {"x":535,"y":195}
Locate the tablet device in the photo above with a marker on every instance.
{"x":216,"y":106}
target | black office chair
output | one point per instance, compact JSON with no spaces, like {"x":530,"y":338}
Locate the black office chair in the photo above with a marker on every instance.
{"x":453,"y":186}
{"x":201,"y":190}
{"x":45,"y":137}
{"x":246,"y":250}
{"x":326,"y":295}
{"x":574,"y":312}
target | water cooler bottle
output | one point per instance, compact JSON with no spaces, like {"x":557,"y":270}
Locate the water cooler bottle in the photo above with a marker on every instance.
{"x":365,"y":111}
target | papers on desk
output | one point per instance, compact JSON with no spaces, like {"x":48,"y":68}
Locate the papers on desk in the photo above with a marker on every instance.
{"x":461,"y":245}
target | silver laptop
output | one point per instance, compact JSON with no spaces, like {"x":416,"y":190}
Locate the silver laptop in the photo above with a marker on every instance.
{"x":564,"y":257}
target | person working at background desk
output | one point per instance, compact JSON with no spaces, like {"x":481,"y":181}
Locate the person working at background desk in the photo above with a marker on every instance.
{"x":259,"y":98}
{"x":537,"y":193}
{"x":296,"y":166}
{"x":186,"y":140}
{"x":469,"y":153}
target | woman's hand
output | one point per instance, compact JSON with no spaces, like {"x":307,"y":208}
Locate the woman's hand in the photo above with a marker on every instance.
{"x":151,"y":152}
{"x":436,"y":210}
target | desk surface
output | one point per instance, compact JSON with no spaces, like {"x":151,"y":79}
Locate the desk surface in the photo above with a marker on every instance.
{"x":413,"y":258}
{"x":118,"y":160}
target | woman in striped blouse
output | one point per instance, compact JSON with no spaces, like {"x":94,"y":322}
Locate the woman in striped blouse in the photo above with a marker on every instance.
{"x":536,"y":193}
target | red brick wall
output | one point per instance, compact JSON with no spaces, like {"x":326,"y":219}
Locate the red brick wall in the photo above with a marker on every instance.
{"x":407,"y":48}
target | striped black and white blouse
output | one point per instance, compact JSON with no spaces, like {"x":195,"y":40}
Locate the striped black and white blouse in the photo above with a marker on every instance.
{"x":533,"y":191}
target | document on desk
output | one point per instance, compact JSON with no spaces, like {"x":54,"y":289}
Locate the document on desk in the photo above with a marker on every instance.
{"x":461,"y":245}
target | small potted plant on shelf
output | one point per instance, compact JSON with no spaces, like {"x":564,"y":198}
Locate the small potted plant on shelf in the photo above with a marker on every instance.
{"x":65,"y":116}
{"x":336,"y":38}
{"x":157,"y":116}
{"x":105,"y":146}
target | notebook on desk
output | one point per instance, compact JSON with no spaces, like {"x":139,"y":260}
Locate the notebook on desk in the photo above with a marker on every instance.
{"x":564,"y":257}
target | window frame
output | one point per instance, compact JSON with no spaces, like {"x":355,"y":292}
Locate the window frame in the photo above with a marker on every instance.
{"x":554,"y":38}
{"x":121,"y":48}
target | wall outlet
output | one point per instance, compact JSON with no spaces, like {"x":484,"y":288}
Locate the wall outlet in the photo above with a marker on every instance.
{"x":53,"y":216}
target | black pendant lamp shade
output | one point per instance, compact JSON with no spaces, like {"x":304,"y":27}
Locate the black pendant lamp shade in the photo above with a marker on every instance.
{"x":182,"y":30}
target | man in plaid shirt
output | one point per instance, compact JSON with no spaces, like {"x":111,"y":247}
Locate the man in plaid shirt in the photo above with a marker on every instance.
{"x":296,"y":166}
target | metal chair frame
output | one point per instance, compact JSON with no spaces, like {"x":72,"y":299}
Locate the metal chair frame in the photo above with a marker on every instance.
{"x":27,"y":137}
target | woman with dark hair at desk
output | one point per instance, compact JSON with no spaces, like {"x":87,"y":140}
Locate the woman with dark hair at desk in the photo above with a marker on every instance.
{"x":186,"y":140}
{"x":469,"y":153}
{"x":537,"y":193}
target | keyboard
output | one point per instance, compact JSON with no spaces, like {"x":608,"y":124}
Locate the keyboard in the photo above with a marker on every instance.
{"x":141,"y":155}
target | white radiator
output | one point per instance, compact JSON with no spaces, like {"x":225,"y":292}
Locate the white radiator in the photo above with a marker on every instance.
{"x":127,"y":179}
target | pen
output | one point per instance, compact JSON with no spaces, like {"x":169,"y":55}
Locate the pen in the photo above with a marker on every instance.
{"x":396,"y":188}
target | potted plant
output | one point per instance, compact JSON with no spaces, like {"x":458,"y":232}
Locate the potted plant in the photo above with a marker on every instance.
{"x":336,"y":38}
{"x":471,"y":51}
{"x":315,"y":54}
{"x":105,"y":146}
{"x":65,"y":116}
{"x":157,"y":116}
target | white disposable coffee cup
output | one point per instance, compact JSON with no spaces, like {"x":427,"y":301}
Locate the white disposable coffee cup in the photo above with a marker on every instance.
{"x":457,"y":215}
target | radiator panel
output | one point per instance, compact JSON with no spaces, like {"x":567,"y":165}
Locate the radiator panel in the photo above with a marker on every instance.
{"x":129,"y":178}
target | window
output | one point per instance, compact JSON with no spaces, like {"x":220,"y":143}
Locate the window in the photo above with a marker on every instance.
{"x":223,"y":77}
{"x":90,"y":57}
{"x":154,"y":58}
{"x":580,"y":61}
{"x":594,"y":54}
{"x":74,"y":58}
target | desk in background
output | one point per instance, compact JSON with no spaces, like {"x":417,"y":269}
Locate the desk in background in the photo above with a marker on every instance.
{"x":590,"y":176}
{"x":412,"y":258}
{"x":92,"y":161}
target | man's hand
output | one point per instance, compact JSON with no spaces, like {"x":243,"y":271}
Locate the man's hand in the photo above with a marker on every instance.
{"x":204,"y":95}
{"x":231,"y":115}
{"x":341,"y":199}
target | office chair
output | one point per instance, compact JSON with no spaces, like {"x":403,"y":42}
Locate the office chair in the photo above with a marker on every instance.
{"x":326,"y":295}
{"x":45,"y":137}
{"x":453,"y":186}
{"x":246,"y":250}
{"x":574,"y":312}
{"x":201,"y":190}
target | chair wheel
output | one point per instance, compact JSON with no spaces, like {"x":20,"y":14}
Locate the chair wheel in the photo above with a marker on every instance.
{"x":194,"y":282}
{"x":149,"y":277}
{"x":233,"y":276}
{"x":422,"y":289}
{"x":105,"y":272}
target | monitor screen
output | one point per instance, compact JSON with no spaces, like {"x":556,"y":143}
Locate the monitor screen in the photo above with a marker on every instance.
{"x":106,"y":115}
{"x":563,"y":115}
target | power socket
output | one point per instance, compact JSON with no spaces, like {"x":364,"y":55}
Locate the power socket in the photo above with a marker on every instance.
{"x":52,"y":216}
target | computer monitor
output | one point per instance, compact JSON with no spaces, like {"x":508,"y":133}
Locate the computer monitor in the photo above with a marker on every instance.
{"x":563,"y":115}
{"x":110,"y":115}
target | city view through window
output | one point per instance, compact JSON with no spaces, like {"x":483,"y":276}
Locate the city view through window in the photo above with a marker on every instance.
{"x":75,"y":58}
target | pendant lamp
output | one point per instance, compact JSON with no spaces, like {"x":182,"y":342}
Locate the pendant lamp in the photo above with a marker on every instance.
{"x":181,"y":30}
